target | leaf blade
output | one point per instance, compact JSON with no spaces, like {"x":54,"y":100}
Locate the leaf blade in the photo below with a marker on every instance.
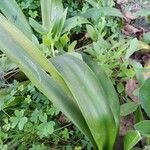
{"x":131,"y":139}
{"x":102,"y":11}
{"x":143,"y":127}
{"x":13,"y":12}
{"x":94,"y":106}
{"x":144,"y":96}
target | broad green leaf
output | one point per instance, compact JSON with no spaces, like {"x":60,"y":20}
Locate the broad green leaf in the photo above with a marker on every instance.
{"x":102,"y":11}
{"x":77,"y":55}
{"x":128,"y":108}
{"x":13,"y":12}
{"x":146,"y":37}
{"x":144,"y":96}
{"x":37,"y":27}
{"x":107,"y":85}
{"x":52,"y":10}
{"x":91,"y":99}
{"x":131,"y":138}
{"x":136,"y":45}
{"x":18,"y":52}
{"x":111,"y":95}
{"x":142,"y":13}
{"x":73,"y":22}
{"x":133,"y":48}
{"x":143,"y":127}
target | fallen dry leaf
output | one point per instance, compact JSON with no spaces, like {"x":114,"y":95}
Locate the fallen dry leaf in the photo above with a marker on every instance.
{"x":128,"y":15}
{"x":130,"y":87}
{"x":130,"y":30}
{"x":126,"y":123}
{"x":62,"y":118}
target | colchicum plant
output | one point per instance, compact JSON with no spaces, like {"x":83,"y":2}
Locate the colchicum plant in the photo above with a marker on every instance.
{"x":77,"y":86}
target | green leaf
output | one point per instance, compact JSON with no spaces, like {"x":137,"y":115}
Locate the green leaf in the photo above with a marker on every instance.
{"x":128,"y":108}
{"x":144,"y":96}
{"x":133,"y":48}
{"x":120,"y":87}
{"x":14,"y":121}
{"x":43,"y":118}
{"x":94,"y":3}
{"x":92,"y":33}
{"x":59,"y":25}
{"x":19,"y":114}
{"x":64,"y":40}
{"x":102,"y":11}
{"x":37,"y":27}
{"x":52,"y":11}
{"x":109,"y":90}
{"x":12,"y":11}
{"x":131,"y":139}
{"x":129,"y":72}
{"x":71,"y":47}
{"x":22,"y":122}
{"x":33,"y":14}
{"x":46,"y":128}
{"x":146,"y":37}
{"x":73,"y":22}
{"x":89,"y":96}
{"x":142,"y":13}
{"x":107,"y":85}
{"x":65,"y":134}
{"x":18,"y":120}
{"x":34,"y":116}
{"x":135,"y":45}
{"x":139,"y":115}
{"x":143,"y":127}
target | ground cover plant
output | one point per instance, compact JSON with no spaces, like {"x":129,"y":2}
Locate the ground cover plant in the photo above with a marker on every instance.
{"x":74,"y":75}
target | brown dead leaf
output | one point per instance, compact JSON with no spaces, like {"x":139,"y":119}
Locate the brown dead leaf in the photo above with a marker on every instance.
{"x":62,"y":119}
{"x":131,"y":86}
{"x":131,"y":30}
{"x":126,"y":124}
{"x":129,"y":16}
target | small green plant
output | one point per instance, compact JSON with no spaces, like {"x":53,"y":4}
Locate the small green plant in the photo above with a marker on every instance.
{"x":76,"y":88}
{"x":29,"y":119}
